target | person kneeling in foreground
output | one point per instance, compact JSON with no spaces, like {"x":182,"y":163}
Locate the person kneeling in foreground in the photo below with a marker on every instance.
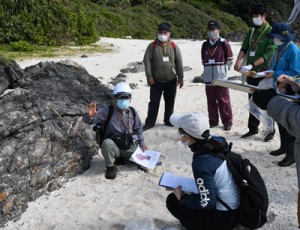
{"x":212,"y":176}
{"x":123,"y":124}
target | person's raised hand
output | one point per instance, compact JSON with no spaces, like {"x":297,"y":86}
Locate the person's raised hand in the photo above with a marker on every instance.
{"x":92,"y":109}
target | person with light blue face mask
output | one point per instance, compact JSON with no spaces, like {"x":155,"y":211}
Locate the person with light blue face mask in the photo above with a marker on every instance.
{"x":123,"y":102}
{"x":121,"y":127}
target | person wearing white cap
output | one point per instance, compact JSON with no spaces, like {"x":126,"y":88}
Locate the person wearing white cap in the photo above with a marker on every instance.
{"x":212,"y":176}
{"x":123,"y":124}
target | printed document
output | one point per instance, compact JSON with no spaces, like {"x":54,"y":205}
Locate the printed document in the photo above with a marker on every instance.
{"x":262,"y":74}
{"x":147,"y":159}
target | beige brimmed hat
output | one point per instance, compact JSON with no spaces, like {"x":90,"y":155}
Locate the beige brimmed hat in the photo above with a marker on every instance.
{"x":194,"y":124}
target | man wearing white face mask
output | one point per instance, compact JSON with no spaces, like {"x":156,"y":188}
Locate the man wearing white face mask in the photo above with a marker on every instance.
{"x":164,"y":72}
{"x":122,"y":129}
{"x":217,"y":58}
{"x":256,"y":51}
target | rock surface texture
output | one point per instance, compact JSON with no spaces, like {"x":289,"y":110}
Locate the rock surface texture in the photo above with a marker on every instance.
{"x":43,"y":142}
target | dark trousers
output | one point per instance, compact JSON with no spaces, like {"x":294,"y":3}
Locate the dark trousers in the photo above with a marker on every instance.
{"x":285,"y":137}
{"x":253,"y":122}
{"x":218,"y":101}
{"x":168,"y":89}
{"x":200,"y":219}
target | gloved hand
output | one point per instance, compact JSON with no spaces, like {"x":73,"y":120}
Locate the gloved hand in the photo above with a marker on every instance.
{"x":247,"y":68}
{"x":262,"y":97}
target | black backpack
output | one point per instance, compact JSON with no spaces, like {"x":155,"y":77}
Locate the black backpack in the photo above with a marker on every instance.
{"x":254,"y":201}
{"x":101,"y":131}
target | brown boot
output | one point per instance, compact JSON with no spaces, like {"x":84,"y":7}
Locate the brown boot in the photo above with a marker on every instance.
{"x":111,"y":172}
{"x":298,"y":210}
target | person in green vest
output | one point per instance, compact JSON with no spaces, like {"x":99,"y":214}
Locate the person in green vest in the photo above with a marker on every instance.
{"x":256,"y":51}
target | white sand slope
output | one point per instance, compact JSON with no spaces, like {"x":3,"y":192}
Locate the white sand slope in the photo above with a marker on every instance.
{"x":133,"y":201}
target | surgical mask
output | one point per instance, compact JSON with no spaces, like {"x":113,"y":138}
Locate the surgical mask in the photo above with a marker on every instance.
{"x":185,"y":143}
{"x":277,"y":42}
{"x":162,"y":37}
{"x":257,"y":21}
{"x":213,"y":36}
{"x":123,"y":103}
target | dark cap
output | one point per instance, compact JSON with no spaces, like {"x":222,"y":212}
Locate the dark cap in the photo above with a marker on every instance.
{"x":258,"y":9}
{"x":164,"y":26}
{"x":213,"y":24}
{"x":281,"y":31}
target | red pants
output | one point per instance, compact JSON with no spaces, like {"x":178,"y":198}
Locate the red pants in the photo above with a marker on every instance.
{"x":218,"y":101}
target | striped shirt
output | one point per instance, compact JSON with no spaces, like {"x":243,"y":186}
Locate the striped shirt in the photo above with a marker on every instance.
{"x":119,"y":123}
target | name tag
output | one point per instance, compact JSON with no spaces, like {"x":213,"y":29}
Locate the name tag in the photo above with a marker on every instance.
{"x":166,"y":58}
{"x":211,"y":61}
{"x":252,"y":53}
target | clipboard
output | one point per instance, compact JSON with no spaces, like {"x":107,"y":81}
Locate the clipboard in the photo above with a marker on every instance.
{"x":237,"y":86}
{"x":249,"y":88}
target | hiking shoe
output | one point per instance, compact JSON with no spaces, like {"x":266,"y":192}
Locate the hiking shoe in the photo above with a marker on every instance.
{"x":269,"y":137}
{"x":111,"y":172}
{"x":169,"y":124}
{"x":287,"y":161}
{"x":213,"y":125}
{"x":146,"y":127}
{"x":249,"y":134}
{"x":277,"y":152}
{"x":227,"y":127}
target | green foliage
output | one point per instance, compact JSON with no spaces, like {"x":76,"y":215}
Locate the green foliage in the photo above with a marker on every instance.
{"x":45,"y":22}
{"x":22,"y":46}
{"x":26,"y":24}
{"x":194,"y":25}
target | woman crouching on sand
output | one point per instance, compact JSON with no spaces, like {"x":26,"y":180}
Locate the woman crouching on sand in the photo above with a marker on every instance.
{"x":212,"y":176}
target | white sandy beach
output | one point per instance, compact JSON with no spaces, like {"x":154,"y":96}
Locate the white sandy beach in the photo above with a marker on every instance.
{"x":134,"y":201}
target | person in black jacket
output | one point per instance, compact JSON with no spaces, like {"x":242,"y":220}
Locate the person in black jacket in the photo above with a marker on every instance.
{"x":212,"y":177}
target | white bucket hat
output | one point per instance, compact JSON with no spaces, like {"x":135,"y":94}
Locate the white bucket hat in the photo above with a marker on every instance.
{"x":194,"y":124}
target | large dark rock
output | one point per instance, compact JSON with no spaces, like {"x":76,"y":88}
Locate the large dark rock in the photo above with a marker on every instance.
{"x":43,"y":142}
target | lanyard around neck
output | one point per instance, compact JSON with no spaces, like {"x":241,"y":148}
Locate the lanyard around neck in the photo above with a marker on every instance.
{"x":257,"y":40}
{"x":213,"y":52}
{"x":278,"y":54}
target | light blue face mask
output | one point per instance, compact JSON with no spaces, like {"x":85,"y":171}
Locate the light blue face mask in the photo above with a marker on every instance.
{"x":123,"y":103}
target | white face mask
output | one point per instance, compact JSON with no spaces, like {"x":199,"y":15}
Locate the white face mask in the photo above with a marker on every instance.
{"x":162,"y":37}
{"x":257,"y":21}
{"x":277,"y":42}
{"x":185,"y":143}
